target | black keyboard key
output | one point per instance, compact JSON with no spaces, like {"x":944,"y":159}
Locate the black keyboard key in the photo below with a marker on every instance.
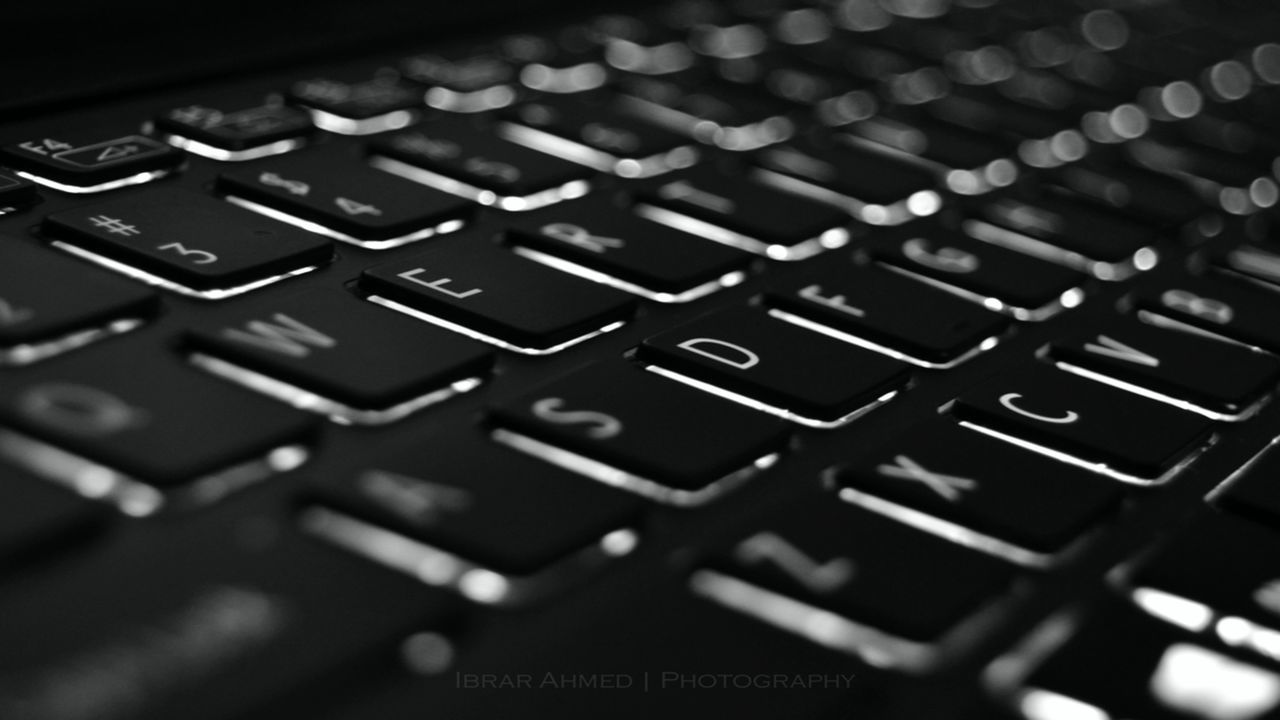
{"x":454,"y":155}
{"x":187,"y":243}
{"x":483,"y":290}
{"x":92,"y":165}
{"x":629,"y":428}
{"x":1140,"y":193}
{"x":1004,"y":280}
{"x":348,"y":200}
{"x":360,"y":106}
{"x":326,"y":351}
{"x":874,"y":187}
{"x":131,"y":417}
{"x":590,"y":131}
{"x":463,"y":83}
{"x":965,"y":161}
{"x":37,"y":517}
{"x":648,"y":259}
{"x":16,"y":193}
{"x":980,"y":492}
{"x":711,"y":111}
{"x":454,"y":493}
{"x":40,"y":318}
{"x":1233,"y":309}
{"x":774,"y":366}
{"x":889,"y":312}
{"x":1219,"y":380}
{"x":1107,"y":430}
{"x":240,"y":134}
{"x":1253,"y":491}
{"x":743,"y":214}
{"x":865,"y":568}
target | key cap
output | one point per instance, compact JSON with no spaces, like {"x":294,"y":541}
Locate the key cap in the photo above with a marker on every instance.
{"x":453,"y":155}
{"x":590,"y":131}
{"x":745,"y":215}
{"x":39,"y":318}
{"x":865,"y":568}
{"x":324,"y":350}
{"x":16,"y":193}
{"x":1223,"y":564}
{"x":1255,"y":260}
{"x":570,"y":62}
{"x":357,"y":105}
{"x":36,"y":517}
{"x":487,"y":292}
{"x":648,"y":259}
{"x":1067,"y":231}
{"x":1125,"y":664}
{"x":1141,"y":193}
{"x":453,"y":495}
{"x":463,"y":82}
{"x":708,"y":110}
{"x":631,"y":429}
{"x":887,"y":312}
{"x":967,"y":162}
{"x":1130,"y":438}
{"x":874,"y":187}
{"x":1024,"y":287}
{"x":1224,"y":180}
{"x":187,"y":243}
{"x":129,"y":417}
{"x":240,"y":134}
{"x":1253,"y":493}
{"x":979,"y":492}
{"x":220,"y":620}
{"x":349,"y":201}
{"x":1219,"y":380}
{"x":1228,"y":308}
{"x":91,"y":165}
{"x":777,"y":367}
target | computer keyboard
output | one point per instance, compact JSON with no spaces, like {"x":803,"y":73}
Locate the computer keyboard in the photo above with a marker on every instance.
{"x":901,"y":359}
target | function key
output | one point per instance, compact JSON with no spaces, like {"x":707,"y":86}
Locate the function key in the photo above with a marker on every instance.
{"x":140,"y":430}
{"x":1233,"y":309}
{"x":463,"y":83}
{"x":50,"y":304}
{"x":16,"y":193}
{"x":805,"y":377}
{"x":1219,"y":380}
{"x":187,"y":243}
{"x":1085,"y":423}
{"x":745,"y":215}
{"x":887,"y":312}
{"x":345,"y":199}
{"x":488,"y":293}
{"x":631,"y":429}
{"x":324,"y":350}
{"x":238,"y":134}
{"x":360,"y":106}
{"x":617,"y":248}
{"x":456,"y":156}
{"x":91,"y":166}
{"x":591,"y":132}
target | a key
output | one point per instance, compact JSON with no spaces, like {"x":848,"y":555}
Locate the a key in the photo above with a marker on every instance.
{"x":37,"y":517}
{"x":743,"y":214}
{"x":347,"y":199}
{"x":1221,"y":306}
{"x":1107,"y":430}
{"x":463,"y":82}
{"x":488,"y":292}
{"x":358,"y":106}
{"x":710,"y":111}
{"x":91,"y":165}
{"x":632,"y":429}
{"x":874,"y":187}
{"x":1067,"y":231}
{"x":1004,"y":280}
{"x":890,"y":313}
{"x":777,"y":367}
{"x":1253,"y":492}
{"x":628,"y":252}
{"x":1219,"y":380}
{"x":187,"y":243}
{"x":453,"y":493}
{"x":865,"y":568}
{"x":454,"y":155}
{"x":40,"y":318}
{"x":225,"y":618}
{"x":979,"y":491}
{"x":588,"y":130}
{"x":325,"y":350}
{"x":120,"y":423}
{"x":240,"y":134}
{"x":16,"y":192}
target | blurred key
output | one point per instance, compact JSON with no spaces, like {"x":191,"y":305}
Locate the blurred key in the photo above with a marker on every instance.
{"x":94,"y":164}
{"x":357,"y":105}
{"x":37,"y":517}
{"x":1230,"y":308}
{"x":243,"y":133}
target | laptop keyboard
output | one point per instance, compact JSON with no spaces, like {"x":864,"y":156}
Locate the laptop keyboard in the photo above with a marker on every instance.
{"x":893,"y":359}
